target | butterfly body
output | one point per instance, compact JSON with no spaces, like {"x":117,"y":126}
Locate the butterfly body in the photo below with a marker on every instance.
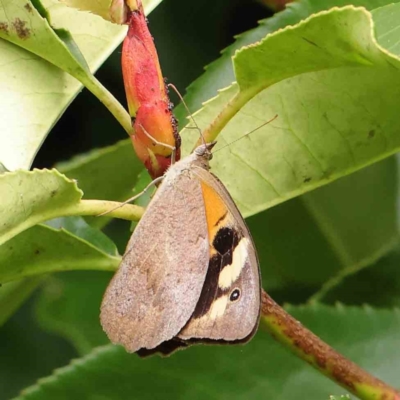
{"x":190,"y":272}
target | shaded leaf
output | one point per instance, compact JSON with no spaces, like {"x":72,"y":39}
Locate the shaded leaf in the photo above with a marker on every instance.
{"x":260,"y":369}
{"x":13,"y":294}
{"x":312,"y":238}
{"x":96,"y":177}
{"x":70,"y":305}
{"x":377,"y":285}
{"x":29,"y":353}
{"x":42,"y":249}
{"x":81,"y":229}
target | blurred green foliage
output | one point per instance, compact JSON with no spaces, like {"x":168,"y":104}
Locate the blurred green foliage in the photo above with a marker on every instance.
{"x":314,"y":247}
{"x":28,"y":351}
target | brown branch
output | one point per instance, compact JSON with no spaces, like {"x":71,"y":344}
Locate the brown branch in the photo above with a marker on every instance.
{"x":312,"y":349}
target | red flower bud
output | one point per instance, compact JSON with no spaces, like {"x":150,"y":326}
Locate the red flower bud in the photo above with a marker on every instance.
{"x":147,"y":96}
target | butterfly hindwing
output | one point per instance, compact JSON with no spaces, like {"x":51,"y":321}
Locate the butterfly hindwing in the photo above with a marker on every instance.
{"x":229,"y":305}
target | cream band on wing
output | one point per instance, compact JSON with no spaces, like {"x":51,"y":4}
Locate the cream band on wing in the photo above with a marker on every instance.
{"x":218,"y":307}
{"x":231,"y":272}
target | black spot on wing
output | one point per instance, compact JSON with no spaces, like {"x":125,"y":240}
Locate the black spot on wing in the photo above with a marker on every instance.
{"x":224,"y":242}
{"x":235,"y":295}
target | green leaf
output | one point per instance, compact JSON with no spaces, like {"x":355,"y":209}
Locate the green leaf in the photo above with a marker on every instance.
{"x":101,"y":8}
{"x":323,"y":246}
{"x":349,"y":226}
{"x":32,"y":197}
{"x":386,"y":24}
{"x":260,"y":369}
{"x":69,"y":305}
{"x":311,"y":238}
{"x":80,"y":228}
{"x":99,"y":180}
{"x":96,"y":178}
{"x":339,"y":47}
{"x":27,"y":353}
{"x":329,"y":124}
{"x":42,"y":249}
{"x":69,"y":302}
{"x":13,"y":294}
{"x":109,"y":173}
{"x":336,"y":114}
{"x":30,"y":28}
{"x":378,"y":285}
{"x":219,"y":74}
{"x":40,"y":91}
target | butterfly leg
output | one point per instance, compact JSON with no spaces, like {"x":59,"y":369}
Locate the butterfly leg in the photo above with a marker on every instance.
{"x":152,"y":183}
{"x":168,"y":146}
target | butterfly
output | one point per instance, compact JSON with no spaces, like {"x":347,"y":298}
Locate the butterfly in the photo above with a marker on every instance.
{"x":190,"y":273}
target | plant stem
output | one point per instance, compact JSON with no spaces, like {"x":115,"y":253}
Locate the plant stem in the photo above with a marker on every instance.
{"x":109,"y":208}
{"x":228,"y":112}
{"x":294,"y":336}
{"x":116,"y":109}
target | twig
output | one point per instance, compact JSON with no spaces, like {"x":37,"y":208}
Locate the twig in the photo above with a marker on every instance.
{"x":309,"y":347}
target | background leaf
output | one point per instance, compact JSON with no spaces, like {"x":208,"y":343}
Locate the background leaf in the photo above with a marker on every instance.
{"x":41,"y":91}
{"x":69,"y":305}
{"x":290,"y":237}
{"x":81,"y":229}
{"x":266,"y":370}
{"x":379,"y":284}
{"x":309,"y":239}
{"x":99,"y":181}
{"x":42,"y":249}
{"x":220,"y":73}
{"x":320,"y":134}
{"x":30,"y":353}
{"x":32,"y":197}
{"x":13,"y":294}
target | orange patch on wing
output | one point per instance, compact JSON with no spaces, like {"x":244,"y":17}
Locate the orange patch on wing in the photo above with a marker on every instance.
{"x":217,"y":213}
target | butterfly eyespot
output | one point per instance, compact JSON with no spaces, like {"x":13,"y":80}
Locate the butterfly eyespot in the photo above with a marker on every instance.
{"x":234,"y":295}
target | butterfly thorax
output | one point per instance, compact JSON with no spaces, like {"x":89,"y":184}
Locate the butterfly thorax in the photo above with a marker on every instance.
{"x":199,"y":158}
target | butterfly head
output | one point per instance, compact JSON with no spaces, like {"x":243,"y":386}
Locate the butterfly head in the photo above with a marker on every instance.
{"x":204,"y":150}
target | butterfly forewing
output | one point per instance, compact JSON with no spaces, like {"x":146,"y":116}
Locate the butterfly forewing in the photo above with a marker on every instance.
{"x":156,"y":289}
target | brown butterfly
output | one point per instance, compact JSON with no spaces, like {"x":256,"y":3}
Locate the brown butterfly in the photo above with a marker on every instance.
{"x":190,"y":272}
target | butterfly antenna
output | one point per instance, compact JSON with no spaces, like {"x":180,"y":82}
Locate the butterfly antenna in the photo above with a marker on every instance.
{"x":168,"y":146}
{"x":249,"y":133}
{"x":173,"y":87}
